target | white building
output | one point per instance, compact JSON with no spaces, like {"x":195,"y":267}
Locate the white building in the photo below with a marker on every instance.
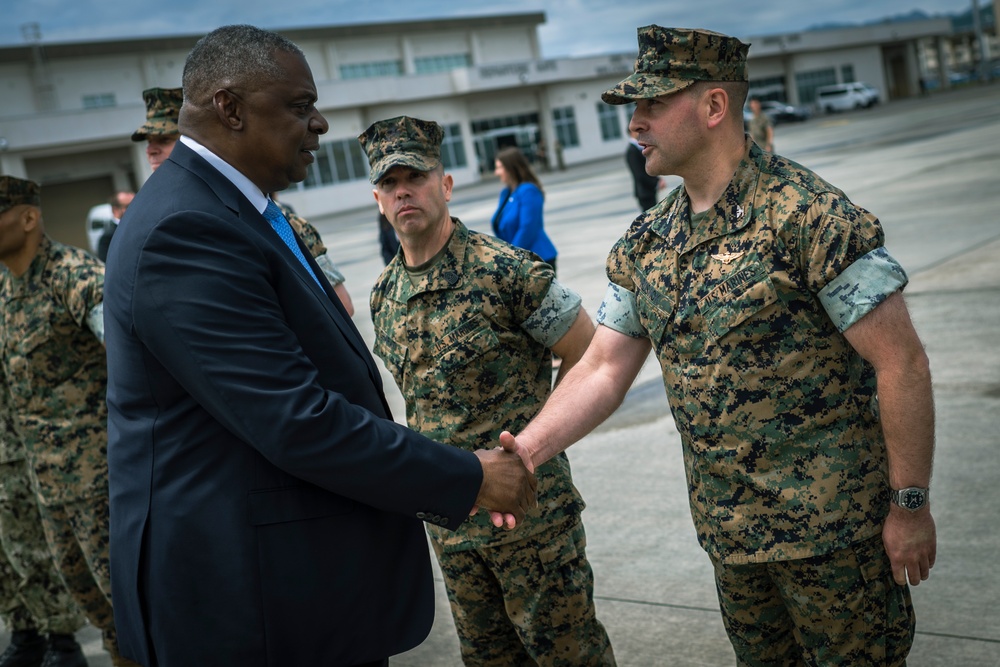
{"x":67,"y":110}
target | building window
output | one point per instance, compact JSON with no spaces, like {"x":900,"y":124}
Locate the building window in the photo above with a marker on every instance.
{"x":564,"y":123}
{"x":337,"y":162}
{"x":434,"y":64}
{"x":452,"y":148}
{"x":99,"y":101}
{"x":371,"y":70}
{"x":808,"y":82}
{"x":847,"y":74}
{"x":609,"y":120}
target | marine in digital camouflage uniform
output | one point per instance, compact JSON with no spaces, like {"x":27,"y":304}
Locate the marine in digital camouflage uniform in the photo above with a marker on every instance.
{"x":33,"y":598}
{"x":796,"y":380}
{"x":466,"y":324}
{"x":53,"y":361}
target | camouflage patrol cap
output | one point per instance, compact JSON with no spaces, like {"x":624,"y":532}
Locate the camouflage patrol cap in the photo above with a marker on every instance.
{"x":18,"y":191}
{"x":402,"y":141}
{"x":671,"y":59}
{"x":163,"y":106}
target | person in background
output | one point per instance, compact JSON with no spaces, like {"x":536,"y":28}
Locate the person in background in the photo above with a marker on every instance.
{"x":265,"y":507}
{"x":119,"y":204}
{"x":645,"y":185}
{"x":465,"y":322}
{"x":160,"y":131}
{"x":54,"y":365}
{"x":760,"y":126}
{"x":387,"y":239}
{"x":519,"y":218}
{"x":800,"y":389}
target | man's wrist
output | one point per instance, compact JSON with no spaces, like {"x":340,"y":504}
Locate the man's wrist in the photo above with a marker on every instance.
{"x":910,"y":498}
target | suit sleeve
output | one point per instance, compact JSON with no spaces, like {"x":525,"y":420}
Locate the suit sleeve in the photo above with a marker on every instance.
{"x":250,"y":344}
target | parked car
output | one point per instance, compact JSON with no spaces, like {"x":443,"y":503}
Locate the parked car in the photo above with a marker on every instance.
{"x":779,"y":112}
{"x":98,"y":219}
{"x":846,"y":96}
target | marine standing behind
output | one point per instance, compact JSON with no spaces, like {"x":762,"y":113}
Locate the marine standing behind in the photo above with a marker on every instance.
{"x":465,"y":322}
{"x":51,"y":337}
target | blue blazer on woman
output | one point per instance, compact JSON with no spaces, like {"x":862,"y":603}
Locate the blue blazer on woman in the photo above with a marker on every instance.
{"x":518,"y":220}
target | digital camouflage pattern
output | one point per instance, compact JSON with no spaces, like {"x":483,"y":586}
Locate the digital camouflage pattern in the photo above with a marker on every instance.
{"x":163,"y":107}
{"x":547,"y":589}
{"x":402,"y":141}
{"x":853,"y":586}
{"x":18,"y":191}
{"x":467,"y":342}
{"x":77,"y":533}
{"x":57,"y":371}
{"x":778,"y":416}
{"x":32,"y":593}
{"x":311,"y":238}
{"x":454,"y":342}
{"x":671,"y":59}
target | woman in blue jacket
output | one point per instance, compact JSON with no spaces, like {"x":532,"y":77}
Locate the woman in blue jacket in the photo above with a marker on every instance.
{"x":518,"y":219}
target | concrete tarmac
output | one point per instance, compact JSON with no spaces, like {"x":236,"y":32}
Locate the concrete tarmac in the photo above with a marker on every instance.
{"x":930,"y":169}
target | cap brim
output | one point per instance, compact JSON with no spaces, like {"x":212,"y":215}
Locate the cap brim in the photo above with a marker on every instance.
{"x":640,"y":86}
{"x":146,"y":130}
{"x":412,"y":160}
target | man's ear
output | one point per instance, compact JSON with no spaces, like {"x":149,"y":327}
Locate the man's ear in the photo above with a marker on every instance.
{"x":229,"y":108}
{"x":717,"y":100}
{"x":31,"y":216}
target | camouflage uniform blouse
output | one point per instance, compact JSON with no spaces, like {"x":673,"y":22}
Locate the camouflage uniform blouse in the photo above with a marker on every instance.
{"x":468,"y":344}
{"x":744,"y":306}
{"x":56,"y":370}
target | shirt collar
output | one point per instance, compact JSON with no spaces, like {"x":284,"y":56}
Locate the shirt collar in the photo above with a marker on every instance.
{"x":234,"y":175}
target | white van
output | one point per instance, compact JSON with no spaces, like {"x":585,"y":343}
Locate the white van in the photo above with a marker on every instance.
{"x":846,"y":96}
{"x":98,"y":219}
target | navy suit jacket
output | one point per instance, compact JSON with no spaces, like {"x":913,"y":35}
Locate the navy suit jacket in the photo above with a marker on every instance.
{"x":264,"y":507}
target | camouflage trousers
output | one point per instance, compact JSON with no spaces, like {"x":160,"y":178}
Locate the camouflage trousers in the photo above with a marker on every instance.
{"x":529,"y":602}
{"x":77,"y":533}
{"x":841,"y":608}
{"x":32,"y":594}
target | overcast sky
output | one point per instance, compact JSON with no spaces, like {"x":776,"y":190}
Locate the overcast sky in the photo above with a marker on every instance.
{"x":572,"y":27}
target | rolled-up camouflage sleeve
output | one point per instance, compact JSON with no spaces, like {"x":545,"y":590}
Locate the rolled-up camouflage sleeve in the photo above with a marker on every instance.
{"x":861,"y":287}
{"x":618,"y":311}
{"x":846,"y":263}
{"x":555,"y":316}
{"x":330,"y":270}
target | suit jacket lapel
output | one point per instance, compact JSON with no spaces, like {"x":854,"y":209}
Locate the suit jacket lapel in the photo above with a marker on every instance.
{"x":233,"y":199}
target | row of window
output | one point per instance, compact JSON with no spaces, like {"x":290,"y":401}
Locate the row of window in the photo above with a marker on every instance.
{"x":422,"y":65}
{"x":344,"y":160}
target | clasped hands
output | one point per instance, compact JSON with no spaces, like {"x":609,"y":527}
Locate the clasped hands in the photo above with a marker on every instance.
{"x":509,"y":486}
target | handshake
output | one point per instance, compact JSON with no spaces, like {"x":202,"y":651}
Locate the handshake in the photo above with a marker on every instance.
{"x":509,"y":486}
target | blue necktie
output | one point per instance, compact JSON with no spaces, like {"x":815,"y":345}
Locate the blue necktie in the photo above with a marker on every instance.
{"x":279,"y":224}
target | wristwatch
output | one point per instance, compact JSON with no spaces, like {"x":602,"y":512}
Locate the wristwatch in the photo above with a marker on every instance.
{"x":911,"y":498}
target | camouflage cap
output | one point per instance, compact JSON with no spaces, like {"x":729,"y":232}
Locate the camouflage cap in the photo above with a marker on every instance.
{"x":402,"y":141}
{"x":671,"y":59}
{"x":163,"y":106}
{"x":17,"y":191}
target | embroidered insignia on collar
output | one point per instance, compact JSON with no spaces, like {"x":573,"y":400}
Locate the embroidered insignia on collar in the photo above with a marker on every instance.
{"x":728,"y":257}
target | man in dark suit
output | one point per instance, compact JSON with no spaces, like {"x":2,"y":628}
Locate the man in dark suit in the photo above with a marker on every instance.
{"x":645,"y":184}
{"x":265,"y":509}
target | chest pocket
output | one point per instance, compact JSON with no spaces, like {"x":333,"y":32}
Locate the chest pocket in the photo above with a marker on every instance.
{"x":738,"y":300}
{"x":393,"y":354}
{"x":469,"y":341}
{"x":655,"y":309}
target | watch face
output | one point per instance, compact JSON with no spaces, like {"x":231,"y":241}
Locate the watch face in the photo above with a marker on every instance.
{"x":911,"y":499}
